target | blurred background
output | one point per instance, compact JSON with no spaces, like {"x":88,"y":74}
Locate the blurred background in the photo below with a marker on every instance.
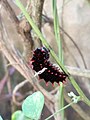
{"x":17,"y":35}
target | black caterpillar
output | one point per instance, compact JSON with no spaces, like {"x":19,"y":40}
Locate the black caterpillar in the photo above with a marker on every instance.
{"x":50,"y":72}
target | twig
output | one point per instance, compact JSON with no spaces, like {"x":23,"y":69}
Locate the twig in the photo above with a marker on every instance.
{"x":17,"y":87}
{"x":36,"y":15}
{"x":3,"y":82}
{"x":78,"y":72}
{"x":8,"y":75}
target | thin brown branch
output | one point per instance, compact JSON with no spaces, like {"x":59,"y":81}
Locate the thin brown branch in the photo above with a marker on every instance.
{"x":7,"y":73}
{"x":17,"y":87}
{"x":36,"y":14}
{"x":3,"y":82}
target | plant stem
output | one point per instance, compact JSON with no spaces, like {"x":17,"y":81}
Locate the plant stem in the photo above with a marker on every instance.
{"x":60,"y":54}
{"x":61,"y":99}
{"x":56,"y":29}
{"x":82,"y":95}
{"x":59,"y":111}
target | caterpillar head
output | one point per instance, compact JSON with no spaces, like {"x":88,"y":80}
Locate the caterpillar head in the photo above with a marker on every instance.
{"x":40,"y":54}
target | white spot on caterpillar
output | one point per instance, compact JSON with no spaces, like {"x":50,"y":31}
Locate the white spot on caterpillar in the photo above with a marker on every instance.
{"x":40,"y":72}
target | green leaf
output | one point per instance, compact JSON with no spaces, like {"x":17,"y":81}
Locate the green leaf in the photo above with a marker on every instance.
{"x":33,"y":105}
{"x":18,"y":115}
{"x":1,"y":118}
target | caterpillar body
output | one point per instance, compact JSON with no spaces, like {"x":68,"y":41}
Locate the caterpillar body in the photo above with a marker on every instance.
{"x":45,"y":69}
